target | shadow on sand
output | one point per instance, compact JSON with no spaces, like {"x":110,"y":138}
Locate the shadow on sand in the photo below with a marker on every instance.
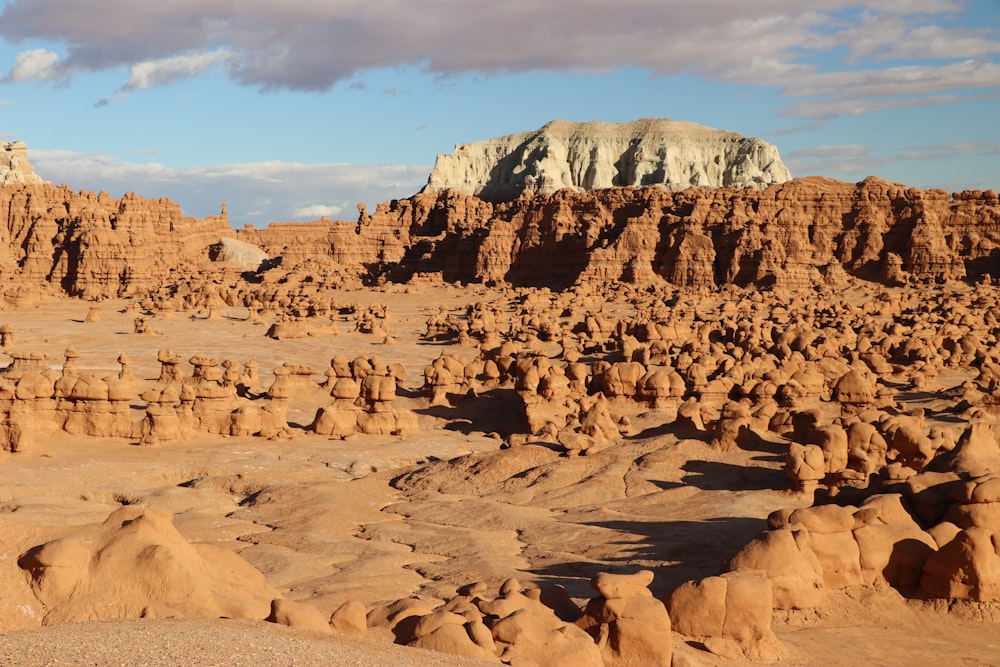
{"x":676,"y":551}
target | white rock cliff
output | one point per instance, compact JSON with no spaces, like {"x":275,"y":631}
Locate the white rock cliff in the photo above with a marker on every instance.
{"x":588,"y":156}
{"x":14,"y":165}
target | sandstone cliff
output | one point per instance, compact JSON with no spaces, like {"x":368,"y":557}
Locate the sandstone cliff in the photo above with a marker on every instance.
{"x":92,"y":245}
{"x":588,"y":156}
{"x":802,"y":232}
{"x":14,"y":165}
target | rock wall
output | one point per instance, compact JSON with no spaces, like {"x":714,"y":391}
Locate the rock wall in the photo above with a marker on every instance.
{"x":802,"y":232}
{"x":588,"y":156}
{"x":92,"y":245}
{"x":806,"y":231}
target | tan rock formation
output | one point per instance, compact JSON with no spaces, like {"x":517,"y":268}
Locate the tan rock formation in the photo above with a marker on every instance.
{"x":91,"y":245}
{"x":735,"y":606}
{"x":629,"y":625}
{"x":588,"y":156}
{"x":799,"y":220}
{"x":14,"y":165}
{"x":135,"y":565}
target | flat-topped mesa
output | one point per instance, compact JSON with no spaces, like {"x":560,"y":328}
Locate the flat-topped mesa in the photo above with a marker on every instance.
{"x":587,"y":156}
{"x":14,"y":165}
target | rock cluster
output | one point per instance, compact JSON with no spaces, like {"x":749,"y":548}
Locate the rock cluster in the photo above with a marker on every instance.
{"x":624,"y":625}
{"x":94,"y":246}
{"x":219,"y":397}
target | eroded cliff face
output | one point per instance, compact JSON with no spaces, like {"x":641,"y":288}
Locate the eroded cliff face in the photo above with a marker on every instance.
{"x":806,"y":231}
{"x":585,"y":156}
{"x":53,"y":239}
{"x":14,"y":165}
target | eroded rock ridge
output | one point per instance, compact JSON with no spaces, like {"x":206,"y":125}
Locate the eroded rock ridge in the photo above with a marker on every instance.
{"x":588,"y":156}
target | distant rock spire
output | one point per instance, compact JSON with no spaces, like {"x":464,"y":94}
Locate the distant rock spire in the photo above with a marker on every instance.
{"x":14,"y":165}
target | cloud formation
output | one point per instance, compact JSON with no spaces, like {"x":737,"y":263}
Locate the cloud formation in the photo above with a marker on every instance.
{"x":836,"y":51}
{"x":856,"y":160}
{"x":158,"y":72}
{"x":314,"y":211}
{"x":256,"y":192}
{"x":34,"y":64}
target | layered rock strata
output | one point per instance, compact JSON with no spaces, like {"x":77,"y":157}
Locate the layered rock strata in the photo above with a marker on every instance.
{"x":588,"y":156}
{"x":14,"y":165}
{"x":92,"y":245}
{"x":804,"y":232}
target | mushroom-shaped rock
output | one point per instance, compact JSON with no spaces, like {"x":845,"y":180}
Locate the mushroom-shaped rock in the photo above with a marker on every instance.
{"x":630,"y":626}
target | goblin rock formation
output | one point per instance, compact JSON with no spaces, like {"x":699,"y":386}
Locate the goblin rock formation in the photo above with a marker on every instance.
{"x":589,"y":156}
{"x":804,"y":232}
{"x":727,"y":412}
{"x":800,"y":233}
{"x":92,"y":245}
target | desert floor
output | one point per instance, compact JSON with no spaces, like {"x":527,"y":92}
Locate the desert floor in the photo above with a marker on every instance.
{"x":331,"y":520}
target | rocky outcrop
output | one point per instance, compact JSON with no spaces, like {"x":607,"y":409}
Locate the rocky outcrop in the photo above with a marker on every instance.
{"x":136,"y":565}
{"x":92,"y":245}
{"x":588,"y":156}
{"x":14,"y":165}
{"x":804,"y":232}
{"x":237,"y":254}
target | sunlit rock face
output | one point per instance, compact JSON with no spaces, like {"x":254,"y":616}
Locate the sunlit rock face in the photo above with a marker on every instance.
{"x":587,"y":156}
{"x":14,"y":165}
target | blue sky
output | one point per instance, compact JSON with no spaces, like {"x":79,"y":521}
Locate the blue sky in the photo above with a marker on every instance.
{"x":294,"y":110}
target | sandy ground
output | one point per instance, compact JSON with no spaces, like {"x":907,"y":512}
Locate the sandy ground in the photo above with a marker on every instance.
{"x":168,"y":643}
{"x":331,"y":520}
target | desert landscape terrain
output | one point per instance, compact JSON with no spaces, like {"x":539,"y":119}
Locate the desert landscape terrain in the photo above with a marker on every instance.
{"x":692,"y":412}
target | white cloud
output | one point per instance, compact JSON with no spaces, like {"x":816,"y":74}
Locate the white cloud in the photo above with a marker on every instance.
{"x":855,"y":160}
{"x":826,"y":108}
{"x":843,"y":50}
{"x":987,"y":147}
{"x":901,"y":80}
{"x":158,"y":72}
{"x":314,"y":211}
{"x":255,"y":192}
{"x":34,"y":64}
{"x":6,"y":103}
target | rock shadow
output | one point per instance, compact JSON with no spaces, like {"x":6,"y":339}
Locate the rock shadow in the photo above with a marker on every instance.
{"x":676,"y":551}
{"x":496,"y":411}
{"x":719,"y":476}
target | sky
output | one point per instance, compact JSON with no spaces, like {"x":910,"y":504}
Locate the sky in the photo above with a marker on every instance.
{"x":303,"y":108}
